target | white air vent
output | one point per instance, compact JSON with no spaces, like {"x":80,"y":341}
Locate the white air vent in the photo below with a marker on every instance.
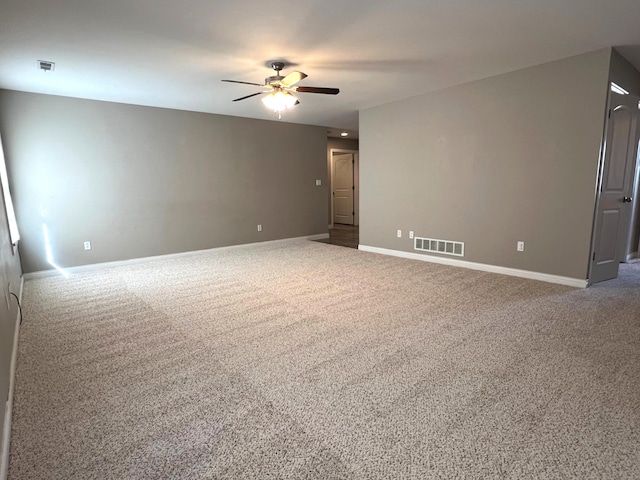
{"x":46,"y":66}
{"x":446,"y":247}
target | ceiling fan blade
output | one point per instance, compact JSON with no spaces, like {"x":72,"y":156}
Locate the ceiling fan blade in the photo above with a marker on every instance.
{"x":326,"y":91}
{"x":248,"y":96}
{"x":246,"y":83}
{"x":292,"y":79}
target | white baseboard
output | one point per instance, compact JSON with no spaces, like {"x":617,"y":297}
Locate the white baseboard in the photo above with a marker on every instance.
{"x":134,"y":261}
{"x":514,"y":272}
{"x":6,"y":433}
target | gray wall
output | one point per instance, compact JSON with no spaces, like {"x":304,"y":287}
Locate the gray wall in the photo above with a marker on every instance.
{"x":508,"y":158}
{"x":624,"y":74}
{"x":343,"y":143}
{"x":139,"y":181}
{"x":9,"y":272}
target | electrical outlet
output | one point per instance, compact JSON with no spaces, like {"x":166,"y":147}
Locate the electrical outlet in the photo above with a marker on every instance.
{"x":318,"y":183}
{"x":259,"y":228}
{"x":399,"y":233}
{"x":411,"y":234}
{"x":87,"y":245}
{"x":520,"y":246}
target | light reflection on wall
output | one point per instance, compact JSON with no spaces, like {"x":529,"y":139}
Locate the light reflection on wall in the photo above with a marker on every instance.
{"x":49,"y":252}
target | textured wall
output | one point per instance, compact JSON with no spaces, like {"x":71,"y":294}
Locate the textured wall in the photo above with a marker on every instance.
{"x":139,"y":181}
{"x":508,"y":158}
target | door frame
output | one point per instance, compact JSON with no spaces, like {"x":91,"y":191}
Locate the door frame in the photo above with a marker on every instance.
{"x":356,"y":183}
{"x":633,"y":249}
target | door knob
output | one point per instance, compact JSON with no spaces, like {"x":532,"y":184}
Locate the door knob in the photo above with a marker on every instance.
{"x":627,"y":199}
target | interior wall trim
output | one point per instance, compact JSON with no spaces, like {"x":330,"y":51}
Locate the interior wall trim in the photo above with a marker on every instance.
{"x":6,"y":433}
{"x":135,"y":261}
{"x":514,"y":272}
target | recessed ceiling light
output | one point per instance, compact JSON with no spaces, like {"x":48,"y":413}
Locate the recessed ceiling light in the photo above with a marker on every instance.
{"x":344,"y":134}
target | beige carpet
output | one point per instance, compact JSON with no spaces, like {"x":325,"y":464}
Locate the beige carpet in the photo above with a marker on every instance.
{"x":310,"y":361}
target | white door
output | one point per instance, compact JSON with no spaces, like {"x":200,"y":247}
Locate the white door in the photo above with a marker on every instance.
{"x":343,"y":189}
{"x":613,"y":213}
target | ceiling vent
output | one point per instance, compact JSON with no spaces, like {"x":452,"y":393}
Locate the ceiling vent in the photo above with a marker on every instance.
{"x":46,"y":66}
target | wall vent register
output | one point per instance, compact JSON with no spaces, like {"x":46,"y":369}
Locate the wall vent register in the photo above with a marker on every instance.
{"x":46,"y":66}
{"x":446,"y":247}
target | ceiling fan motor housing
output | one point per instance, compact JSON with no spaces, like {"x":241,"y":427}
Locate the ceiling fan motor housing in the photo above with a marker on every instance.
{"x":275,"y":80}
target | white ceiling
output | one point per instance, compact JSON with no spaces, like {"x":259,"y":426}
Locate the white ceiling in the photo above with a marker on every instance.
{"x":172,"y":53}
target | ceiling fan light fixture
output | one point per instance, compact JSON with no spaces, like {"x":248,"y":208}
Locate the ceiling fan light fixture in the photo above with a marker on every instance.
{"x":279,"y":101}
{"x":278,"y":89}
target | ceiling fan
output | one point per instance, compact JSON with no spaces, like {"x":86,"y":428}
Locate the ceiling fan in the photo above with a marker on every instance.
{"x":279,"y":89}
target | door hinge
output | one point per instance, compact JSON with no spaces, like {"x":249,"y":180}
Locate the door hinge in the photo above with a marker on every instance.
{"x":353,"y":188}
{"x":594,"y":256}
{"x":353,"y":213}
{"x":609,"y":114}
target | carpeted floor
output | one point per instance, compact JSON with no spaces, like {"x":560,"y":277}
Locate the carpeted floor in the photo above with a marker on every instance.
{"x":307,"y":361}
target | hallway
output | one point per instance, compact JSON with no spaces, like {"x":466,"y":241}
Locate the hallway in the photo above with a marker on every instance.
{"x":343,"y":236}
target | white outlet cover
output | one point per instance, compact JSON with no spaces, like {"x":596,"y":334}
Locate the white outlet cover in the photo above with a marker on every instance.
{"x":399,"y":233}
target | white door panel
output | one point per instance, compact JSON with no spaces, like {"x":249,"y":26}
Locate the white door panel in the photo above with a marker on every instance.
{"x":343,"y":189}
{"x":613,"y":213}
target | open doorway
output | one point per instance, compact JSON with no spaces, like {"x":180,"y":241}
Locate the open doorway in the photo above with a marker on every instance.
{"x":344,"y":197}
{"x":633,"y":240}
